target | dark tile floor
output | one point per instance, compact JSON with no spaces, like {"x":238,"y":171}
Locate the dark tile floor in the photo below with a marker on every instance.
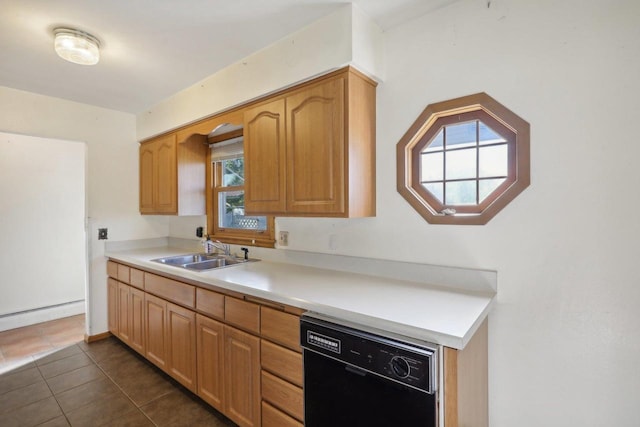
{"x":99,"y":384}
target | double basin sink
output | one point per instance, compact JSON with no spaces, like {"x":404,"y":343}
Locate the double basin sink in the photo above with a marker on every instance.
{"x":201,"y":262}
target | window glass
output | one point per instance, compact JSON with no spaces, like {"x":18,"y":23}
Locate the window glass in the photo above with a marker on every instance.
{"x":432,"y":167}
{"x":467,"y":164}
{"x":460,"y":193}
{"x":488,"y":186}
{"x":487,"y":136}
{"x":460,"y":135}
{"x":461,"y":164}
{"x":494,"y":161}
{"x":437,"y":142}
{"x":230,"y":202}
{"x":437,"y":189}
{"x":231,"y":212}
{"x":232,"y":172}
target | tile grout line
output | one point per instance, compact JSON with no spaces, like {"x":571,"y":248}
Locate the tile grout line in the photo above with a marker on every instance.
{"x":97,"y":364}
{"x":52,"y":395}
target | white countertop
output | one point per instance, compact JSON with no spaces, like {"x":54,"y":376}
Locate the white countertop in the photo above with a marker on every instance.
{"x":418,"y":310}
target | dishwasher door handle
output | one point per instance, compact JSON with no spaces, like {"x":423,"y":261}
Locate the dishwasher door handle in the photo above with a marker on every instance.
{"x":355,"y":370}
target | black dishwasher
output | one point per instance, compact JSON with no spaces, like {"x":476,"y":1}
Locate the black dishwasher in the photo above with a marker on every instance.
{"x":355,"y":377}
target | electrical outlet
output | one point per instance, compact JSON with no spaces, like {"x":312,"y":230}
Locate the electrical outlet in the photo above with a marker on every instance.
{"x":102,"y":234}
{"x":283,"y":238}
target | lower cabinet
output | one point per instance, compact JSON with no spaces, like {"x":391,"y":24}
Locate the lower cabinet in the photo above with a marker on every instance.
{"x":242,"y":377}
{"x":247,"y":364}
{"x":272,"y":417}
{"x":112,"y":305}
{"x":123,"y":312}
{"x":127,"y":314}
{"x":170,"y":333}
{"x":281,"y":359}
{"x":229,"y":370}
{"x":155,"y":315}
{"x":136,"y":334}
{"x":181,"y":345}
{"x":210,"y":347}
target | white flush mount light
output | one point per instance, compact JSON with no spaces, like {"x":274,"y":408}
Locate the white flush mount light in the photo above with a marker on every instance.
{"x":76,"y":46}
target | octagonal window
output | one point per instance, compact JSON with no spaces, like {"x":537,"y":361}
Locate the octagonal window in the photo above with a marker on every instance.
{"x":463,"y":160}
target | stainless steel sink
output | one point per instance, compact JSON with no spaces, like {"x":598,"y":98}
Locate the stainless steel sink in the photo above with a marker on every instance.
{"x":186,"y":259}
{"x":200,"y":262}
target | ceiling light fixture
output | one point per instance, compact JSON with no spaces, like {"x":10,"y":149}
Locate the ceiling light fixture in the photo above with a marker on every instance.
{"x":77,"y":46}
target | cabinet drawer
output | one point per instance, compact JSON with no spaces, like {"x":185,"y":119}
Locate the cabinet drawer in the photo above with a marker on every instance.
{"x":243,"y":314}
{"x":283,"y":362}
{"x":283,"y":395}
{"x":136,"y":278}
{"x":178,"y":292}
{"x":210,"y":303}
{"x":281,"y":327}
{"x":123,"y":273}
{"x":112,"y":269}
{"x":272,"y":417}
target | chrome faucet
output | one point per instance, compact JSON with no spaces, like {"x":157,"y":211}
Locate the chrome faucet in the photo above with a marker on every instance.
{"x":224,"y":247}
{"x":209,"y":245}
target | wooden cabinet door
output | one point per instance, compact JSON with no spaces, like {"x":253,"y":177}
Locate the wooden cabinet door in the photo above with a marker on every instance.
{"x":112,"y":305}
{"x":316,"y":155}
{"x":265,"y":158}
{"x":136,"y":320}
{"x":124,"y":326}
{"x":242,"y":377}
{"x":147,"y":174}
{"x":272,"y":417}
{"x":155,"y":314}
{"x":181,"y":337}
{"x":167,"y":175}
{"x":159,"y":176}
{"x":210,"y":348}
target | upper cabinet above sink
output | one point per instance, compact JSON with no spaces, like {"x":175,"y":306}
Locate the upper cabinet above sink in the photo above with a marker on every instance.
{"x":310,"y":151}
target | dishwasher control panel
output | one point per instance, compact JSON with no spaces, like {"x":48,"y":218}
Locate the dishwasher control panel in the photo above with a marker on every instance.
{"x":390,"y":358}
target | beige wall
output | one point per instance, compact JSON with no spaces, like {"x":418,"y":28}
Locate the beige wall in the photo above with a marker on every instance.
{"x":112,"y":178}
{"x":319,"y":47}
{"x":564,"y":335}
{"x":37,"y":176}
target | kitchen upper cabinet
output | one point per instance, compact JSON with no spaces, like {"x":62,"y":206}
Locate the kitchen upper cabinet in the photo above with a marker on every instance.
{"x":316,"y":149}
{"x":172,"y":175}
{"x":265,"y":145}
{"x":311,"y":151}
